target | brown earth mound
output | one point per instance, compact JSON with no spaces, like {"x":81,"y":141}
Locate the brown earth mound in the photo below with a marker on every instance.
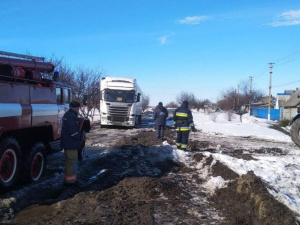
{"x":246,"y":201}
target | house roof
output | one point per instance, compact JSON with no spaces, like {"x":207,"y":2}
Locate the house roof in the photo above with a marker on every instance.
{"x":294,"y":100}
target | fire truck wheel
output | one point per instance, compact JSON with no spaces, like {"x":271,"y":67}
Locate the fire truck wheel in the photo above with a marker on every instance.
{"x":35,"y":163}
{"x":295,"y":132}
{"x":10,"y":161}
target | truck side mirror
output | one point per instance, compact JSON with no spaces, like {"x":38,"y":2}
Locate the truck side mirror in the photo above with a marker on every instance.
{"x":138,"y":99}
{"x":100,"y":95}
{"x":85,"y":99}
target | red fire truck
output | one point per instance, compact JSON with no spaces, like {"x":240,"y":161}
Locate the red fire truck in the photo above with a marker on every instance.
{"x":31,"y":110}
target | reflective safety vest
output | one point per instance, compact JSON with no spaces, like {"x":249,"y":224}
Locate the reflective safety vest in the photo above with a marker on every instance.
{"x":183,"y":119}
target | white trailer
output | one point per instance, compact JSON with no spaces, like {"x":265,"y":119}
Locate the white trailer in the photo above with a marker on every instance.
{"x":120,"y":102}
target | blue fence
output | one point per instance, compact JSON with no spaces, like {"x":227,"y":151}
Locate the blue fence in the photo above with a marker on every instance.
{"x":263,"y":113}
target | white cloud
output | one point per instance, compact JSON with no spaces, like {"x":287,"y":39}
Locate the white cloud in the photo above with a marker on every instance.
{"x":193,"y":19}
{"x":288,"y":18}
{"x":163,"y":39}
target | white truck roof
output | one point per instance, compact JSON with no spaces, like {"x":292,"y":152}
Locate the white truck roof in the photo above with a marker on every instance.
{"x":118,"y":83}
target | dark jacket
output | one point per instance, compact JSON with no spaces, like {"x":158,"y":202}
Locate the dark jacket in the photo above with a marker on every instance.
{"x":183,"y":118}
{"x":70,"y":133}
{"x":160,"y":115}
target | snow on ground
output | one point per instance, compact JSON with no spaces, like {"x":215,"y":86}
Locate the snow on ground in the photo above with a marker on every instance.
{"x":281,"y":173}
{"x":250,"y":126}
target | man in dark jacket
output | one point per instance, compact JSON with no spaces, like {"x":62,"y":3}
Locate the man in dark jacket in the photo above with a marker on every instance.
{"x":71,"y":142}
{"x":160,"y":116}
{"x":183,"y":123}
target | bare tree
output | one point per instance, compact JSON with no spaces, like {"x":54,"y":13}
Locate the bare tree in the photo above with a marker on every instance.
{"x":228,"y":99}
{"x":230,"y":115}
{"x":199,"y":104}
{"x":234,"y":98}
{"x":185,"y":96}
{"x":84,"y":82}
{"x":171,"y":105}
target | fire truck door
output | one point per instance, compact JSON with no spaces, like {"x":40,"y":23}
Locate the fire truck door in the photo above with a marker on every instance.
{"x":61,"y":110}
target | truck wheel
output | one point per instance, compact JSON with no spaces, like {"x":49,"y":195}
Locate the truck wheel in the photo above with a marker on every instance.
{"x":82,"y":147}
{"x":295,"y":132}
{"x":10,"y":159}
{"x":35,"y":162}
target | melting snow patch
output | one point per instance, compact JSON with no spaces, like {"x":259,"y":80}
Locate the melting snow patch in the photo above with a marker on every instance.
{"x":214,"y":183}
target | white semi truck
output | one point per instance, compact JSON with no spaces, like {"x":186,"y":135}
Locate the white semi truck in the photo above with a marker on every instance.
{"x":120,"y":102}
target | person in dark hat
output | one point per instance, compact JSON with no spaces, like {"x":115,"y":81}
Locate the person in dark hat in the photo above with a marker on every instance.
{"x":71,"y":142}
{"x":160,"y":117}
{"x":183,"y":123}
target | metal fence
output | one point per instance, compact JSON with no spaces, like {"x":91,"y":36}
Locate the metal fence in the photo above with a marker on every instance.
{"x":263,"y":113}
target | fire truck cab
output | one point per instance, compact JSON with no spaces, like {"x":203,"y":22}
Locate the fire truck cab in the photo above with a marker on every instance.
{"x":31,"y":111}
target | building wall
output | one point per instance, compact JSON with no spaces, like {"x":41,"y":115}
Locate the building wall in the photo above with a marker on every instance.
{"x":288,"y":114}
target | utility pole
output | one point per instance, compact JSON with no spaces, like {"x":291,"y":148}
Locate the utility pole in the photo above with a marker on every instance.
{"x":250,"y":99}
{"x":270,"y":87}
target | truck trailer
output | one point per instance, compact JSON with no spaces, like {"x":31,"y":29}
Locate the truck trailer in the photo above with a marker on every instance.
{"x":120,"y":102}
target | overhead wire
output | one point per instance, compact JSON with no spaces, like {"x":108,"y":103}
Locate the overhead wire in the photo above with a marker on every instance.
{"x":281,"y":61}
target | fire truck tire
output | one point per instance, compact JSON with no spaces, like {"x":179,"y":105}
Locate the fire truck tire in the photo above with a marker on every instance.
{"x":82,"y":148}
{"x":10,"y":162}
{"x":35,"y":163}
{"x":295,"y":132}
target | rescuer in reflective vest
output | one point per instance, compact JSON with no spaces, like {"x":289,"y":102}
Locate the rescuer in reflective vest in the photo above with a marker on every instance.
{"x":183,"y":123}
{"x":71,"y":142}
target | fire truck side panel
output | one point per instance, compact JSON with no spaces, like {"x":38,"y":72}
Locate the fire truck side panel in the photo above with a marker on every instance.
{"x":15,"y":108}
{"x":14,"y":93}
{"x":26,"y":115}
{"x":45,"y":110}
{"x":10,"y":116}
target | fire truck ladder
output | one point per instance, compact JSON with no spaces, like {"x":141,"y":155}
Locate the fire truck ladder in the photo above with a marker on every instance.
{"x":34,"y":58}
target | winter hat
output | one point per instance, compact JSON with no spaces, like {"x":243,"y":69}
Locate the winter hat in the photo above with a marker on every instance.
{"x":74,"y":104}
{"x":160,"y":103}
{"x":185,"y":103}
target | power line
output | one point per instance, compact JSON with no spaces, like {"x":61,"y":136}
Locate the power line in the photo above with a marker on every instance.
{"x":288,"y":61}
{"x":281,"y":61}
{"x":284,"y":57}
{"x":287,"y":83}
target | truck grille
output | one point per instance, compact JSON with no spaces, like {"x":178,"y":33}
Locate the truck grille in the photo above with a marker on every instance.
{"x":117,"y":112}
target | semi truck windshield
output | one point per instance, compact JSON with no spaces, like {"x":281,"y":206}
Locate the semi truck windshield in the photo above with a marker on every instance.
{"x":119,"y":96}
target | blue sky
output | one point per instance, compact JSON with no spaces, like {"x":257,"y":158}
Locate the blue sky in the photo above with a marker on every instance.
{"x":169,"y":46}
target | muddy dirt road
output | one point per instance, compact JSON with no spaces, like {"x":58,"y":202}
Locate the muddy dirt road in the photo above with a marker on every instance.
{"x":127,"y":177}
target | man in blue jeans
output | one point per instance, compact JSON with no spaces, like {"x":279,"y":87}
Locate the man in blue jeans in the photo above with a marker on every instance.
{"x":160,"y":117}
